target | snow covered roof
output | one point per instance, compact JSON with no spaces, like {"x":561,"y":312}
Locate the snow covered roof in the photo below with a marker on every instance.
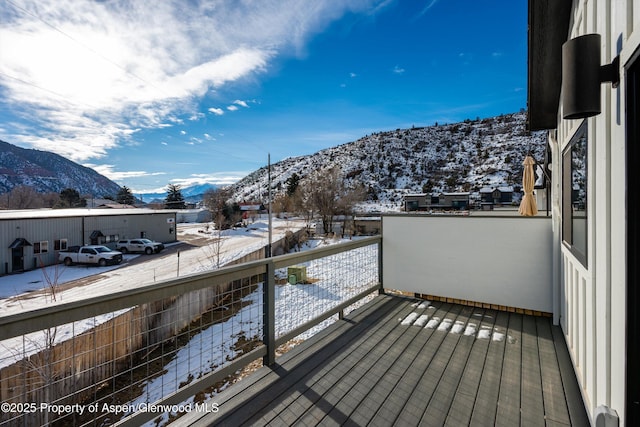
{"x":503,"y":189}
{"x":248,"y":207}
{"x":68,"y":213}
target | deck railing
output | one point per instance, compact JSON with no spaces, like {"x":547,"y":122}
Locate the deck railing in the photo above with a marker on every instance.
{"x":144,"y":353}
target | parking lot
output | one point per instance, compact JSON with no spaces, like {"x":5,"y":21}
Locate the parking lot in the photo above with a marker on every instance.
{"x":194,"y":252}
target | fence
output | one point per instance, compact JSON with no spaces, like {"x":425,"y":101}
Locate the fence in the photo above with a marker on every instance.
{"x":170,"y":342}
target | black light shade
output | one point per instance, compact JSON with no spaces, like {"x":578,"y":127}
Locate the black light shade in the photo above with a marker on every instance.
{"x":581,"y":77}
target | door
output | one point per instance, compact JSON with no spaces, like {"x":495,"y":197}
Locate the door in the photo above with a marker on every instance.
{"x":137,"y":246}
{"x":87,"y":256}
{"x":17,"y":259}
{"x":633,"y":245}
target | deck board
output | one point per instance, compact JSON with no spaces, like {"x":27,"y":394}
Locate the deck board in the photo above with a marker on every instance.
{"x":575,"y":405}
{"x":484,"y":410}
{"x":532,"y":401}
{"x":414,"y":407}
{"x":508,"y":410}
{"x":465,"y":397}
{"x":372,"y":369}
{"x":461,"y":345}
{"x":552,"y":390}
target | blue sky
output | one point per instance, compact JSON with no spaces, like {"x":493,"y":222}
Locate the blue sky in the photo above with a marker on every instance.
{"x":192,"y":91}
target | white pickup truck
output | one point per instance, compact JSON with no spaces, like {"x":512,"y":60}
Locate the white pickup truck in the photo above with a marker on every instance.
{"x":139,"y":245}
{"x":92,"y":254}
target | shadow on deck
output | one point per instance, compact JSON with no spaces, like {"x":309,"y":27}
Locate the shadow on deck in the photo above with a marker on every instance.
{"x":446,"y":364}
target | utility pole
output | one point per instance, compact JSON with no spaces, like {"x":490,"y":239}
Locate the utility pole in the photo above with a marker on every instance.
{"x":269,"y":204}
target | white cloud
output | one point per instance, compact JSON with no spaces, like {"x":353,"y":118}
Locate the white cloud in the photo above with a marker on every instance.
{"x":79,"y":77}
{"x":224,"y":178}
{"x":109,"y":172}
{"x":241,"y":103}
{"x":398,"y":70}
{"x":232,"y":108}
{"x":429,"y":5}
{"x":216,"y":111}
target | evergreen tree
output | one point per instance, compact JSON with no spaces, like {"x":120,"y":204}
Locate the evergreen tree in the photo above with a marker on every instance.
{"x":292,"y":184}
{"x":174,"y":199}
{"x":125,"y":196}
{"x":70,"y":198}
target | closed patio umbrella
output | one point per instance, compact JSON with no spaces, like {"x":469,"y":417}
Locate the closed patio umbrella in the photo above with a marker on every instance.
{"x":528,"y":205}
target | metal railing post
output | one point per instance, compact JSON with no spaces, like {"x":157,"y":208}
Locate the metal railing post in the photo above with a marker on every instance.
{"x":381,"y":292}
{"x":269,"y":315}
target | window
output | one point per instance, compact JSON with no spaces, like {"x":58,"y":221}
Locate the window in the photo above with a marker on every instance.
{"x":110,"y":238}
{"x":41,"y":247}
{"x":574,"y":195}
{"x":60,"y":245}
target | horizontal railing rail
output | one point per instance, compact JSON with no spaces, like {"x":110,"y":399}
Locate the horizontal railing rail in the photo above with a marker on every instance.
{"x":157,"y":307}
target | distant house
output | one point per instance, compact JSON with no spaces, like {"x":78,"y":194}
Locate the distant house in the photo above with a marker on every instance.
{"x":193,"y":215}
{"x":456,"y":201}
{"x":250,"y":206}
{"x":367,"y":225}
{"x":417,"y":202}
{"x":497,"y":195}
{"x":445,"y":201}
{"x":250,"y":209}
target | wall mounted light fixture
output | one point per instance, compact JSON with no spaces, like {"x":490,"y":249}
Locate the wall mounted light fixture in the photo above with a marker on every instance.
{"x":582,"y":76}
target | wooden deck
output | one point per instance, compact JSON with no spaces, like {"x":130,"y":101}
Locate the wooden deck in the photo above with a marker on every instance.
{"x":459,"y":366}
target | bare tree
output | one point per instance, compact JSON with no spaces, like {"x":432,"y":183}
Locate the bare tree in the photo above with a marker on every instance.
{"x":216,"y":201}
{"x":328,"y":194}
{"x":346,"y":207}
{"x":215,"y":247}
{"x":224,"y":211}
{"x":24,"y":197}
{"x":282,"y":203}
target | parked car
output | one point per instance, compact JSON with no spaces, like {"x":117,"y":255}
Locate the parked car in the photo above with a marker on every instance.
{"x":139,"y":245}
{"x":91,"y":254}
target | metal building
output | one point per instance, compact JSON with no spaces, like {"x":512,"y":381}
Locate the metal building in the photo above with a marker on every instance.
{"x":32,"y":238}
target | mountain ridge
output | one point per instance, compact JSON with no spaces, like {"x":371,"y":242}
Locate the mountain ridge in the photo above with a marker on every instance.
{"x":463,"y":156}
{"x":49,"y":172}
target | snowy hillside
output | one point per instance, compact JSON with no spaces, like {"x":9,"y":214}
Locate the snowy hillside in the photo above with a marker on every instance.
{"x":464,"y":156}
{"x":49,"y":172}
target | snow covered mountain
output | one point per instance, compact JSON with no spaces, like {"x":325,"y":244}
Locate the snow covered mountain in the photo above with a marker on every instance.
{"x":465,"y":156}
{"x":49,"y":172}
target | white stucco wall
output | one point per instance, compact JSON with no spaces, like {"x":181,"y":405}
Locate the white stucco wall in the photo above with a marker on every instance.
{"x":499,"y":260}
